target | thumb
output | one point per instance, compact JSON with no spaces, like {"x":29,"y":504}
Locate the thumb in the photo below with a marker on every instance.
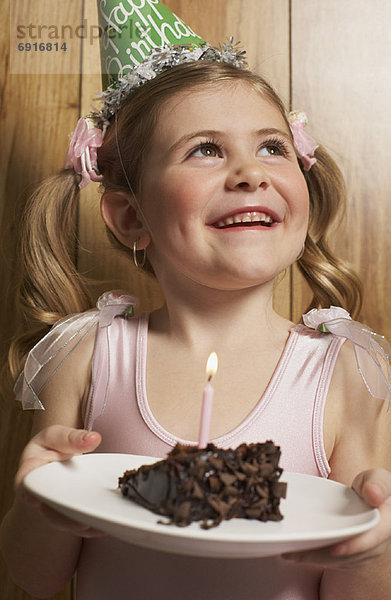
{"x":56,"y":442}
{"x":74,"y":441}
{"x":66,"y":441}
{"x":374,"y":486}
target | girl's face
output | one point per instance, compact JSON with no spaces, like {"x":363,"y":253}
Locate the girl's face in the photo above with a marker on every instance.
{"x":222,"y":192}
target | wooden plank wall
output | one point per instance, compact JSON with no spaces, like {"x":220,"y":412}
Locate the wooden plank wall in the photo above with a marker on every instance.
{"x":341,"y":66}
{"x":327,"y":57}
{"x":36,"y":114}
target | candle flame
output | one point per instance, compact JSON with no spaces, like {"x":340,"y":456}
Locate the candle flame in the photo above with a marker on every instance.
{"x":211,"y":365}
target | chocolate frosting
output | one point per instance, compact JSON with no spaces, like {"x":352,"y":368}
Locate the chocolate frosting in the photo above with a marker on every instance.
{"x":210,"y":485}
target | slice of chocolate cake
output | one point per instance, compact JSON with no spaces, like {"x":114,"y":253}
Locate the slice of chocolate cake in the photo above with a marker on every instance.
{"x":210,"y":485}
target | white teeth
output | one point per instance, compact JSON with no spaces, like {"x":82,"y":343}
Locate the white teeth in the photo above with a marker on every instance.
{"x":246,"y":217}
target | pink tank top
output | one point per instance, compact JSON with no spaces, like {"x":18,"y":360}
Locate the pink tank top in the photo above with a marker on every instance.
{"x":290,"y":412}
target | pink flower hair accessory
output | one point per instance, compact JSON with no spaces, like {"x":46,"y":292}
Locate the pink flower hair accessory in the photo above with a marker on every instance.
{"x":82,"y":155}
{"x":304,"y":144}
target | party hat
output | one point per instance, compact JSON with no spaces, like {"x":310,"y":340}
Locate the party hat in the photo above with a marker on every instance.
{"x":132,"y":29}
{"x":142,"y":38}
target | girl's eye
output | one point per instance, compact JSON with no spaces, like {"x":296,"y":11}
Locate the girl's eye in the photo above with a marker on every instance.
{"x":206,"y":150}
{"x":273,"y":148}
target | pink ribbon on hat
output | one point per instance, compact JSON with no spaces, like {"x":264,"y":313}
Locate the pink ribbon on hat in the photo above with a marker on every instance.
{"x":82,"y":155}
{"x":304,"y":144}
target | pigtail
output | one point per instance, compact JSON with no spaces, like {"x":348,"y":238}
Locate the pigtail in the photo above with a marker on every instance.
{"x":331,"y":280}
{"x":50,"y":286}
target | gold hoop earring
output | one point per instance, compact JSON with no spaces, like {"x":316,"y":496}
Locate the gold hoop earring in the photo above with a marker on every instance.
{"x":301,"y":253}
{"x":141,"y":263}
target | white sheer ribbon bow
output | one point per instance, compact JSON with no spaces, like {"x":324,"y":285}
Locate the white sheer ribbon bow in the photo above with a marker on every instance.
{"x":44,"y":360}
{"x":372,"y":351}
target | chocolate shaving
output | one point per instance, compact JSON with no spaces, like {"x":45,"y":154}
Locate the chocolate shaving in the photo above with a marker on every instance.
{"x":210,"y":485}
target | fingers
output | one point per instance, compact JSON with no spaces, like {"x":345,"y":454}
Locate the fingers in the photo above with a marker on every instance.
{"x":374,"y":486}
{"x":326,"y":558}
{"x":373,"y":542}
{"x":58,"y":520}
{"x":55,"y":443}
{"x":64,"y":523}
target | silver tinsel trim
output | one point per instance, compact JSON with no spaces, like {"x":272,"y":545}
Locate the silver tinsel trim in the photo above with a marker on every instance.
{"x":162,"y":59}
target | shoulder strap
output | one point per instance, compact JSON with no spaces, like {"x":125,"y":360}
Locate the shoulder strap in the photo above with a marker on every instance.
{"x":114,"y":353}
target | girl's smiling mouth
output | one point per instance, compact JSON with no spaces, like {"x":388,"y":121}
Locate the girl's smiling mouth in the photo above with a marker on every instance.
{"x":247,"y":218}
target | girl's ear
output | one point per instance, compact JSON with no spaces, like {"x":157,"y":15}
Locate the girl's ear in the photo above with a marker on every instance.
{"x":119,"y":214}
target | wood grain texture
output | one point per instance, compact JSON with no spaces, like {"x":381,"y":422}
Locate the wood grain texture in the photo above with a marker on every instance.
{"x":35,"y":114}
{"x":341,"y":64}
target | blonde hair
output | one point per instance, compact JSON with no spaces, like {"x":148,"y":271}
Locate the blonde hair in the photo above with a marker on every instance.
{"x":51,"y":287}
{"x":332,"y":281}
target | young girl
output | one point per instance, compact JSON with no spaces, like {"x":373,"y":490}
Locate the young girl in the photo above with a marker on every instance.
{"x":201,"y":177}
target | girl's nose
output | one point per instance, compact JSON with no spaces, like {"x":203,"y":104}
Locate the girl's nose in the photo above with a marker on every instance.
{"x":249,"y":175}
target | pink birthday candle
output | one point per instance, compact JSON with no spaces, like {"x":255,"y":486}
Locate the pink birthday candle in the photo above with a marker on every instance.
{"x":207,"y":402}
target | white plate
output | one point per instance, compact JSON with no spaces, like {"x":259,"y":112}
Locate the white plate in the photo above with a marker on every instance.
{"x":317,"y":512}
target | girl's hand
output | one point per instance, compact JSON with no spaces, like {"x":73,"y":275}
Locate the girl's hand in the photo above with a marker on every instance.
{"x":374,"y":486}
{"x":55,"y":443}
